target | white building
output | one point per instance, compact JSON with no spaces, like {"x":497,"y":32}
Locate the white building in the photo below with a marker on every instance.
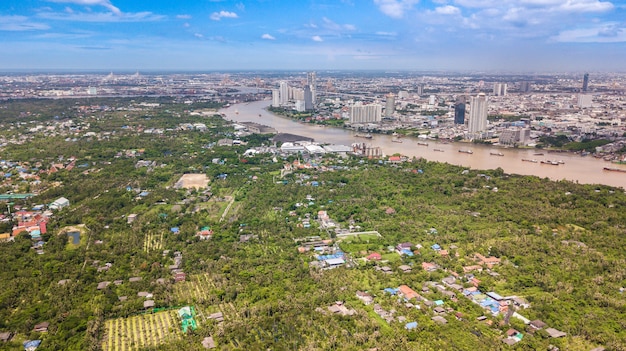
{"x":360,"y":113}
{"x":284,"y":93}
{"x":584,"y":100}
{"x":275,"y":98}
{"x":499,"y":89}
{"x":478,"y":114}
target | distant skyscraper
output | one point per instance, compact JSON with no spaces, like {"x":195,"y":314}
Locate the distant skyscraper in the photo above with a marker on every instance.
{"x":311,"y":81}
{"x":524,"y":86}
{"x":308,"y":98}
{"x":499,"y":89}
{"x":585,"y":82}
{"x":284,"y":93}
{"x":275,"y":97}
{"x":459,"y":110}
{"x":420,"y":89}
{"x":478,"y":114}
{"x":390,"y":105}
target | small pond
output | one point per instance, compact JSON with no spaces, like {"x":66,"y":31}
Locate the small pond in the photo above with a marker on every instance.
{"x":75,"y":236}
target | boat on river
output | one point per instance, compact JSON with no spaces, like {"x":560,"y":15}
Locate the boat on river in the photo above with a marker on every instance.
{"x":496,"y":154}
{"x":422,"y":144}
{"x":548,"y":162}
{"x":438,"y":150}
{"x":529,"y":160}
{"x":612,"y":169}
{"x":366,"y":136}
{"x":466,"y":151}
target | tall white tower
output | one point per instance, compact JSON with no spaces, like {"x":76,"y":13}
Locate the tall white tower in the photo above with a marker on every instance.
{"x":284,"y":93}
{"x":311,"y":81}
{"x":478,"y":114}
{"x":390,"y":104}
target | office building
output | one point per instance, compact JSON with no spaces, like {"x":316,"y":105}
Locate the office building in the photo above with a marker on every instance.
{"x":459,"y":110}
{"x":432,"y":100}
{"x":370,"y":113}
{"x":585,"y":82}
{"x":390,"y":105}
{"x":499,"y":89}
{"x":478,"y":114}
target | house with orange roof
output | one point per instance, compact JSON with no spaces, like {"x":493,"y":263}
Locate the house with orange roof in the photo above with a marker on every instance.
{"x":408,"y":293}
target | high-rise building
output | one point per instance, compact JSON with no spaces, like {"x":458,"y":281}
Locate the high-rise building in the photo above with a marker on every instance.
{"x":432,"y":100}
{"x":525,"y":87}
{"x":584,"y":100}
{"x":585,"y":82}
{"x":390,"y":105}
{"x":311,"y":81}
{"x":499,"y":89}
{"x":284,"y":93}
{"x":360,"y":113}
{"x":459,"y":110}
{"x":478,"y":114}
{"x":420,"y":89}
{"x":308,"y":98}
{"x":275,"y":98}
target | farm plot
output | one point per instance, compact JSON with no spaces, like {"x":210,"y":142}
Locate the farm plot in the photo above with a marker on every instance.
{"x":153,"y":242}
{"x":137,"y":332}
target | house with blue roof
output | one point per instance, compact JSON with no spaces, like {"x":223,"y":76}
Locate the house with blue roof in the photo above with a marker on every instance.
{"x":410,"y":325}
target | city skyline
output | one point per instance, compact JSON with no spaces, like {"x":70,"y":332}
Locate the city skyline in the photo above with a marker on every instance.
{"x":518,"y":35}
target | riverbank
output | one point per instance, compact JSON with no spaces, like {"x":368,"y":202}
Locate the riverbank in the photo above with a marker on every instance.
{"x":587,"y":170}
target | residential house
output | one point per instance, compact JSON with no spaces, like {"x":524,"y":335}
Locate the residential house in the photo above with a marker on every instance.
{"x":404,"y":249}
{"x":405,"y":269}
{"x":407,"y":293}
{"x":208,"y":342}
{"x":41,"y":327}
{"x":375,"y":256}
{"x":537,"y":324}
{"x":553,"y":333}
{"x":486,"y":261}
{"x":365,"y":297}
{"x":429,"y":267}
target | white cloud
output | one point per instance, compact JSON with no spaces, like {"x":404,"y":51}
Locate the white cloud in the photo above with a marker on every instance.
{"x":102,"y":16}
{"x":387,"y":34}
{"x":198,"y":35}
{"x":335,"y":27}
{"x":448,"y":10}
{"x":604,"y":33}
{"x":104,"y":3}
{"x":185,"y":16}
{"x":395,"y":8}
{"x":216,"y":16}
{"x":19,"y":24}
{"x":317,"y":38}
{"x":267,"y":37}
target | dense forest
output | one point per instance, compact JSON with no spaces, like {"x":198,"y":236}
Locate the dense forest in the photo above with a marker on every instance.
{"x":560,"y":244}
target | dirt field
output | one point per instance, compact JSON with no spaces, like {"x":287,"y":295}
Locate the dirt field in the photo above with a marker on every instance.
{"x":189,"y":181}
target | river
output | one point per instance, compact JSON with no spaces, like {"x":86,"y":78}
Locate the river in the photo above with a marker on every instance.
{"x":587,"y":170}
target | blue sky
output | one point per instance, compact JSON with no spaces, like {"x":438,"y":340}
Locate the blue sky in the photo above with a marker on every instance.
{"x":500,"y":35}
